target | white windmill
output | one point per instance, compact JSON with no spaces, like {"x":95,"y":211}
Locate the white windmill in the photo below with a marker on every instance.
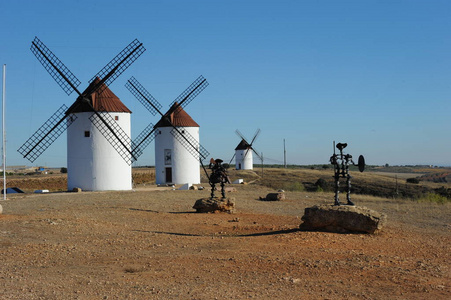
{"x":243,"y":152}
{"x":178,"y":153}
{"x":99,"y":149}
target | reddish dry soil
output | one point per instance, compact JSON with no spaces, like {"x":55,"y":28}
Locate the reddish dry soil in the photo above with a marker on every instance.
{"x":150,"y":244}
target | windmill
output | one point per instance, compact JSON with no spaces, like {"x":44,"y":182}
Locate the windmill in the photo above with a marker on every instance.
{"x":243,"y":152}
{"x":176,"y":134}
{"x":99,"y":150}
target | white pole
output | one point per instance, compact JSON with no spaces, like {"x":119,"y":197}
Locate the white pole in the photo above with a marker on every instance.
{"x":3,"y":131}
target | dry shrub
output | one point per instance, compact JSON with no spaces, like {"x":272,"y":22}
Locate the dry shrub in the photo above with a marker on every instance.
{"x":141,"y":175}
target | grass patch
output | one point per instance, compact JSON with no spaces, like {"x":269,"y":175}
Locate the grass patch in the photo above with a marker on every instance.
{"x":293,"y":187}
{"x":434,"y":198}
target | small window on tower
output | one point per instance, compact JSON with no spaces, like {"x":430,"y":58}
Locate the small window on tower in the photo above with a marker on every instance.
{"x":116,"y":118}
{"x":87,"y":134}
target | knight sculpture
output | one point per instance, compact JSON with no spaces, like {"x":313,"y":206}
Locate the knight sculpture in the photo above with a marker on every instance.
{"x":218,"y":175}
{"x":341,"y":169}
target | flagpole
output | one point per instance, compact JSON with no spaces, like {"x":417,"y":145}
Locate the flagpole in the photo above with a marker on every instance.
{"x":3,"y":132}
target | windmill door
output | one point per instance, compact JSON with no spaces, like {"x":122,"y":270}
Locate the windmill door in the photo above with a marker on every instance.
{"x":168,"y":175}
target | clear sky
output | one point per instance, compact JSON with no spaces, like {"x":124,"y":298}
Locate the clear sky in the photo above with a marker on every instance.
{"x":374,"y":74}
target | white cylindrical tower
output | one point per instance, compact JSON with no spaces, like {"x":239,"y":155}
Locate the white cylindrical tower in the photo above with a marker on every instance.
{"x":93,"y":163}
{"x":174,"y":161}
{"x":243,"y":156}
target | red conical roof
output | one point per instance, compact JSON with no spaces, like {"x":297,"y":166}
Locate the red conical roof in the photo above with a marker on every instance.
{"x":178,"y":118}
{"x":106,"y":100}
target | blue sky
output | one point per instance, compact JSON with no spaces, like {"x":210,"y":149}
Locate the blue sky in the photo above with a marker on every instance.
{"x":374,"y":74}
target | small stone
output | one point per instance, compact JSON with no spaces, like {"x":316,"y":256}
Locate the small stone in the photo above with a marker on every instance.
{"x":230,"y":189}
{"x":76,"y":190}
{"x":274,"y":197}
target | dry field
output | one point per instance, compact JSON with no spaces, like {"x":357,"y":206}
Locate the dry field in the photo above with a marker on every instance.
{"x":149,"y":244}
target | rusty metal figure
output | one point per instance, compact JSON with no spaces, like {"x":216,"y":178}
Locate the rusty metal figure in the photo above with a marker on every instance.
{"x":341,"y":169}
{"x":218,"y":175}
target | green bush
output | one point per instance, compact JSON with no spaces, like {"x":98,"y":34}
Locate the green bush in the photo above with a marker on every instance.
{"x":435,"y":198}
{"x":63,"y":170}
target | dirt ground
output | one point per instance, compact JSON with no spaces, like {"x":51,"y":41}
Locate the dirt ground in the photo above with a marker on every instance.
{"x":150,"y":244}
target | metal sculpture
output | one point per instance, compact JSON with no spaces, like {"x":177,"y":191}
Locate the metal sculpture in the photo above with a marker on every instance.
{"x":218,"y":175}
{"x":64,"y":116}
{"x":341,"y":169}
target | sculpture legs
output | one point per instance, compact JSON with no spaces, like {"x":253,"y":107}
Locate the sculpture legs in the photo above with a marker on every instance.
{"x":337,"y":188}
{"x":212,"y":190}
{"x":348,"y":191}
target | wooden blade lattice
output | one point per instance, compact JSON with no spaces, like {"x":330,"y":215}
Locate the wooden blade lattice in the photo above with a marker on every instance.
{"x":190,"y":144}
{"x":143,"y":140}
{"x":143,"y":96}
{"x":46,"y":134}
{"x":59,"y":72}
{"x":114,"y":134}
{"x":118,"y":65}
{"x":191,"y":92}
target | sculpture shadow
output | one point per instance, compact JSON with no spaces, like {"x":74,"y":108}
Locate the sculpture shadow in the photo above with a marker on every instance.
{"x":276,"y":232}
{"x":156,"y":211}
{"x":145,"y":210}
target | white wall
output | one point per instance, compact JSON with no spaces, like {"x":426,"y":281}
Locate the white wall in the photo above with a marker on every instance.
{"x":245,"y":160}
{"x":92,"y":163}
{"x":185,"y":167}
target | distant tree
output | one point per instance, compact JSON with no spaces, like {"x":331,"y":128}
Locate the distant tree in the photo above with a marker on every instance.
{"x":63,"y":170}
{"x":387,"y":165}
{"x":325,"y":167}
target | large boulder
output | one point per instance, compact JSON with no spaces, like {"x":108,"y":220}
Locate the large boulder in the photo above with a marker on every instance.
{"x":342,"y":218}
{"x":206,"y":205}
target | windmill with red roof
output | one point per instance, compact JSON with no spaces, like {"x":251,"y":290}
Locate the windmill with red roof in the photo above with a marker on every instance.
{"x":178,"y":152}
{"x":99,"y":148}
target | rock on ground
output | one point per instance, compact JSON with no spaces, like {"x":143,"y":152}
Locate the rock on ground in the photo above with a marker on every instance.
{"x":215,"y":205}
{"x":274,"y":197}
{"x":342,"y":218}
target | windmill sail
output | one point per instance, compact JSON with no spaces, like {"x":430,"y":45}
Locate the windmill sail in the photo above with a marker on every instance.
{"x":143,"y":96}
{"x":59,"y":72}
{"x":191,"y":92}
{"x":191,"y":144}
{"x":46,"y":134}
{"x":119,"y":64}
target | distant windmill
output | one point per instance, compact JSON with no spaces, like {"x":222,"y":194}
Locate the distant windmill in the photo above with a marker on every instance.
{"x":177,"y":149}
{"x":243,"y":152}
{"x":99,"y":150}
